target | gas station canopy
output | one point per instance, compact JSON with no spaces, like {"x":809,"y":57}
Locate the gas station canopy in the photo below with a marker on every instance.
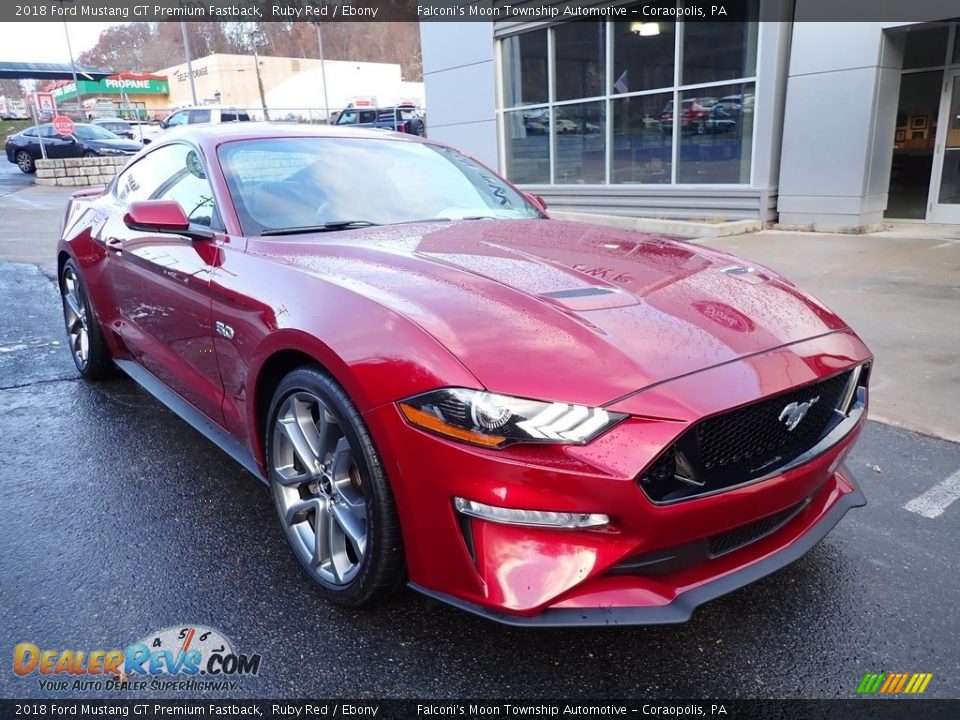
{"x":50,"y":71}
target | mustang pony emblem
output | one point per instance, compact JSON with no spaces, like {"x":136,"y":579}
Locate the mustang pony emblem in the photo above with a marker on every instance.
{"x":794,"y":413}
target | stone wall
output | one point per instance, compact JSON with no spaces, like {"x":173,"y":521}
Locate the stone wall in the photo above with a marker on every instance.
{"x":79,"y":172}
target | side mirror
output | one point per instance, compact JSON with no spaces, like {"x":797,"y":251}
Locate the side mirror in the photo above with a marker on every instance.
{"x":162,"y":216}
{"x":164,"y":124}
{"x":536,"y":200}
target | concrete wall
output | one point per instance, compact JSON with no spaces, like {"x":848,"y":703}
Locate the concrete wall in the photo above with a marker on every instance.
{"x":460,"y":86}
{"x":79,"y":172}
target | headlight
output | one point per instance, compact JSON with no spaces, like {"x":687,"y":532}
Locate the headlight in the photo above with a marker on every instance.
{"x":491,"y":420}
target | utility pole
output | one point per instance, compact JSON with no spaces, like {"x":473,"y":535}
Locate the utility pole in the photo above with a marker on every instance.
{"x":323,"y":75}
{"x":73,"y":68}
{"x":186,"y":50}
{"x":256,"y":64}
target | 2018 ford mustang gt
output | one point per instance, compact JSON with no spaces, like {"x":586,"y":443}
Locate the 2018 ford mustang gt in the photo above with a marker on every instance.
{"x":538,"y":421}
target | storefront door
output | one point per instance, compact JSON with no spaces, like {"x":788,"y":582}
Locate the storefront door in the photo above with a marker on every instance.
{"x":945,"y":180}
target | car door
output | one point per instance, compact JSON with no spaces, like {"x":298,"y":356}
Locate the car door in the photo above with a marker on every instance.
{"x":160,"y":281}
{"x":57,"y":145}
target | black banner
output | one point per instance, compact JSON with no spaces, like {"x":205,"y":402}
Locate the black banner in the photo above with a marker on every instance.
{"x":888,"y":709}
{"x":480,"y":11}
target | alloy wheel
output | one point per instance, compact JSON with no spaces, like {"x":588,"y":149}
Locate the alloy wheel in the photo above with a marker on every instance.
{"x":75,"y":317}
{"x":24,"y":161}
{"x":319,"y":489}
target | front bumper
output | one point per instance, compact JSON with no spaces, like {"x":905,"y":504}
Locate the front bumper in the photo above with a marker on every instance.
{"x":544,"y":577}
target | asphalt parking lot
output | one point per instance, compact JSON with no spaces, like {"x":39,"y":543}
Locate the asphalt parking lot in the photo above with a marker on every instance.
{"x":119,"y":520}
{"x":11,"y":179}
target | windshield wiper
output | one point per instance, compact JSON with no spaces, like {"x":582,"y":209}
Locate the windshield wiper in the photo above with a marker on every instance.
{"x":325,"y":227}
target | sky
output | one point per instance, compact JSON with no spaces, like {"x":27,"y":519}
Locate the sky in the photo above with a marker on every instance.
{"x":46,"y":41}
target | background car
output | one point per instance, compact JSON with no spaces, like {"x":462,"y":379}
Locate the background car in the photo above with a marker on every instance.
{"x":540,"y":422}
{"x":400,"y":118}
{"x":145,"y":131}
{"x":118,"y":126}
{"x":693,"y":115}
{"x":23,"y":148}
{"x":205,"y":115}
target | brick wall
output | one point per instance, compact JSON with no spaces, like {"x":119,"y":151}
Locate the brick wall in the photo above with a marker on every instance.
{"x":79,"y":172}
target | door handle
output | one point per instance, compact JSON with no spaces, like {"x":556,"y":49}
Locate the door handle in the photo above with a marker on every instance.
{"x":114,"y":244}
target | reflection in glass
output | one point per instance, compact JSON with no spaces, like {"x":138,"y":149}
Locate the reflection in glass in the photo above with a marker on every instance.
{"x":714,"y":51}
{"x":641,"y":143}
{"x":527,"y":145}
{"x":525,"y":69}
{"x":913,"y":157}
{"x":642,"y":56}
{"x":925,"y":47}
{"x":950,"y":177}
{"x":715,"y":134}
{"x":579,"y":59}
{"x":579,"y":140}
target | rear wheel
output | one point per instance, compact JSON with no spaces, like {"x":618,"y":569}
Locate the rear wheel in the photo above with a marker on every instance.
{"x":24,"y":161}
{"x":90,"y":153}
{"x":87,"y":347}
{"x":331,"y":492}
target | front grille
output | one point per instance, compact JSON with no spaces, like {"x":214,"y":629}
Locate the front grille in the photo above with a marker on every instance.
{"x":745,"y":443}
{"x":750,"y":438}
{"x":751,"y":532}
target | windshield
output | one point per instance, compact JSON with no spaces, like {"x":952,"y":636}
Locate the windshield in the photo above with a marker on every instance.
{"x":93,"y":132}
{"x":282,"y":183}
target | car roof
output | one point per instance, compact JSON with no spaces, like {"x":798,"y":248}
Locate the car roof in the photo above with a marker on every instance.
{"x":96,"y":121}
{"x":229,"y":132}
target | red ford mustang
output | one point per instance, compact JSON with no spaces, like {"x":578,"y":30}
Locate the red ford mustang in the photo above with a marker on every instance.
{"x":541,"y":422}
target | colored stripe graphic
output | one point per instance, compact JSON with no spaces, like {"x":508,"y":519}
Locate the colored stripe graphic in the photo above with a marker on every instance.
{"x":894,"y":683}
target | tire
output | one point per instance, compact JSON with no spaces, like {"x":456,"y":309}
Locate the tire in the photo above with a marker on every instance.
{"x":24,"y":161}
{"x":90,"y":153}
{"x":418,"y":129}
{"x":327,"y":480}
{"x":84,"y":338}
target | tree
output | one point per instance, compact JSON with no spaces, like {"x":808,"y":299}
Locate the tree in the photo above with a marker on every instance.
{"x":11,"y":89}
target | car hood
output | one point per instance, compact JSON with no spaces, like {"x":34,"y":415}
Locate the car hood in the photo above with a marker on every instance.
{"x":561,"y":310}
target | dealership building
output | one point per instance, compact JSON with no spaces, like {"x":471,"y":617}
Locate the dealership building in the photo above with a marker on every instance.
{"x":810,"y":124}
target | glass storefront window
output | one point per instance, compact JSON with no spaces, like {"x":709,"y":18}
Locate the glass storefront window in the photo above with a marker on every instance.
{"x":527,"y":141}
{"x":525,"y":69}
{"x":642,"y":141}
{"x":673,"y":102}
{"x":717,"y":51}
{"x":642,"y":56}
{"x":579,"y":50}
{"x":925,"y":47}
{"x":579,"y":132}
{"x":715,"y":134}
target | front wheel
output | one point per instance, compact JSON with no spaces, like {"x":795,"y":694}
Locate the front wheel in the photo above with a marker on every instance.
{"x":331,"y":492}
{"x":24,"y":161}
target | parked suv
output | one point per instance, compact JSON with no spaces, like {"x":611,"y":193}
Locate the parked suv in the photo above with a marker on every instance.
{"x":401,"y":118}
{"x":205,"y":114}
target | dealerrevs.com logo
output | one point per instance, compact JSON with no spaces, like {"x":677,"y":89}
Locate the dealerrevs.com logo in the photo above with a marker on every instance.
{"x":188,"y":657}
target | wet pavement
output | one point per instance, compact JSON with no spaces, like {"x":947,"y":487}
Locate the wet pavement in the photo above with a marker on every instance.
{"x":119,"y":520}
{"x":11,"y":179}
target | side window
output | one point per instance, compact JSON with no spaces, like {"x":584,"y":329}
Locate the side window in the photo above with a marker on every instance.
{"x":153,"y":173}
{"x":368,"y":116}
{"x":177,"y":119}
{"x":47,"y":131}
{"x":30,"y":132}
{"x":228,"y":116}
{"x":199,"y":116}
{"x":347,"y":117}
{"x":190,"y":187}
{"x":243,"y":116}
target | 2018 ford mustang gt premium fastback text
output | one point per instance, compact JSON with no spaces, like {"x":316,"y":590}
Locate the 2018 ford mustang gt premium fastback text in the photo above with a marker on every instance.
{"x":542,"y":422}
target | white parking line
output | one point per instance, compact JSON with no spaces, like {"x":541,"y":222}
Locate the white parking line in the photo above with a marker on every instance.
{"x":937,"y":499}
